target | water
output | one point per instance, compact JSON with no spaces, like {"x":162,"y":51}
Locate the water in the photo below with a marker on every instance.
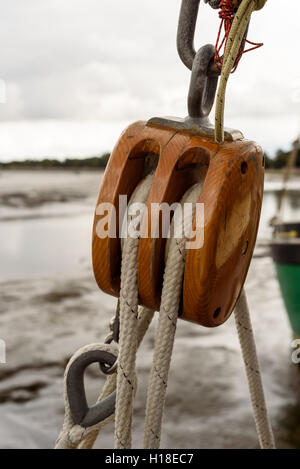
{"x":56,"y":241}
{"x":46,"y":221}
{"x":44,"y":245}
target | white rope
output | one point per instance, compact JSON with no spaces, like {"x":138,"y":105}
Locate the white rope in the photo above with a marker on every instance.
{"x":74,"y":436}
{"x":161,"y":364}
{"x":132,"y":330}
{"x":247,"y":341}
{"x":164,"y":345}
{"x":172,"y":287}
{"x":128,"y":340}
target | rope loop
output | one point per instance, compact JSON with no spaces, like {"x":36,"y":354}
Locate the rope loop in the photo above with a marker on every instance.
{"x":74,"y":435}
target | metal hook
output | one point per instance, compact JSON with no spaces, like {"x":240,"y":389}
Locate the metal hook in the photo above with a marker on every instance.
{"x":205,"y":73}
{"x":82,"y":414}
{"x":204,"y":77}
{"x":186,"y":32}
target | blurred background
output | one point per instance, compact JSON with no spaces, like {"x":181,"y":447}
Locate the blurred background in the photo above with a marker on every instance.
{"x":73,"y":75}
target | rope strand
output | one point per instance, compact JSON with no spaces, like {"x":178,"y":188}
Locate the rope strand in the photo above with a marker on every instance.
{"x":226,"y":14}
{"x":164,"y":340}
{"x":248,"y":347}
{"x":231,"y":55}
{"x":128,"y":329}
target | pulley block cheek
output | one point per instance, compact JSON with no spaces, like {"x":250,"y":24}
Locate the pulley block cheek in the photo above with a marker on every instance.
{"x":232,"y":196}
{"x":232,"y":176}
{"x":125,"y":169}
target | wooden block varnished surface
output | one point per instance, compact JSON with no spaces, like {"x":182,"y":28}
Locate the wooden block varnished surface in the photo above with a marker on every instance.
{"x":232,"y":197}
{"x":122,"y":174}
{"x":231,"y":194}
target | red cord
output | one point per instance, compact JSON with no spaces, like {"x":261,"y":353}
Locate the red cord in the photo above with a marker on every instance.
{"x":226,"y":14}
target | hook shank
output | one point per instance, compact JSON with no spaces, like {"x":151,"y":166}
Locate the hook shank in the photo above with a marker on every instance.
{"x":186,"y":33}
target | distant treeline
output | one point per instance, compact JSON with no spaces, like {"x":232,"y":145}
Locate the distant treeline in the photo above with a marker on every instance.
{"x":278,"y":162}
{"x":47,"y":163}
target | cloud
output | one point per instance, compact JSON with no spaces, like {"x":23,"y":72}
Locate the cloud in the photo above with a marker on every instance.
{"x":90,"y":60}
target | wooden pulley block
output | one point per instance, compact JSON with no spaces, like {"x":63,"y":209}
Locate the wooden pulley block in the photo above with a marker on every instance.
{"x":182,"y":155}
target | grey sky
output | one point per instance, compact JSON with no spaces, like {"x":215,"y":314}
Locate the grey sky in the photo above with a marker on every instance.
{"x":78,"y":71}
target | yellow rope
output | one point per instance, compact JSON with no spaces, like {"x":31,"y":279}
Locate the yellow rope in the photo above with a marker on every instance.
{"x":237,"y":32}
